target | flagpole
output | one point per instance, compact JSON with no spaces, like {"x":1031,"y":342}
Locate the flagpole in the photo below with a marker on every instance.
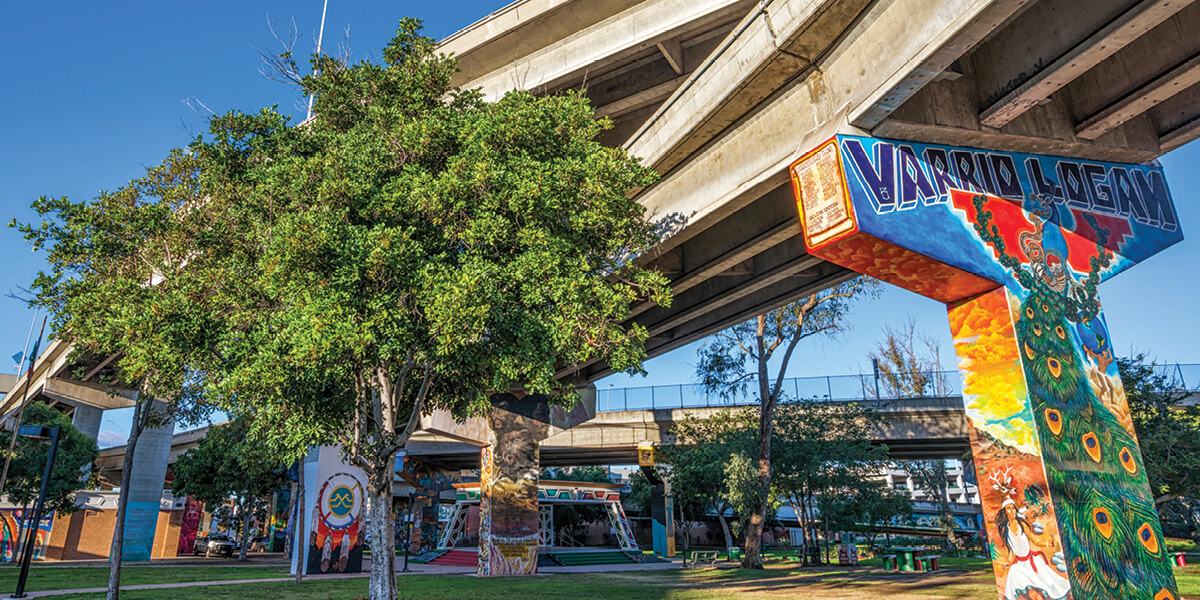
{"x":320,"y":36}
{"x":32,"y":322}
{"x":12,"y":440}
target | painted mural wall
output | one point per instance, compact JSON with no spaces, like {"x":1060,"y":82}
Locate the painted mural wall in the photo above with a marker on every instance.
{"x":509,"y":470}
{"x":1016,"y":245}
{"x":334,"y":514}
{"x":189,"y":526}
{"x":11,"y":523}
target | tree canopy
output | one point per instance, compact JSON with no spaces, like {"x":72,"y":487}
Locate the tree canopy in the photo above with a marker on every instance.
{"x":409,"y":247}
{"x":1168,"y":431}
{"x":227,"y":463}
{"x":72,"y":468}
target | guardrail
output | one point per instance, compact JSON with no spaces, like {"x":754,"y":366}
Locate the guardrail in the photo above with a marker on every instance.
{"x":833,"y":388}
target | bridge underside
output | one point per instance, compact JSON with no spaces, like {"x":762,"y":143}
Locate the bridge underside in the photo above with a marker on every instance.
{"x":719,"y":96}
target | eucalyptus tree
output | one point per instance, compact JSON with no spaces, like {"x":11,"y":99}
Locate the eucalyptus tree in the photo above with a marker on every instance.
{"x":745,"y":355}
{"x":116,"y":285}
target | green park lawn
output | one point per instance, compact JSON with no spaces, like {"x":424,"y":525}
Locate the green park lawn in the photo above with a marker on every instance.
{"x":73,"y":577}
{"x":959,"y":579}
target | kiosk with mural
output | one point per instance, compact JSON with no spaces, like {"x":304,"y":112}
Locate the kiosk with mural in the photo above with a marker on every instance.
{"x":1016,"y":245}
{"x":334,"y":496}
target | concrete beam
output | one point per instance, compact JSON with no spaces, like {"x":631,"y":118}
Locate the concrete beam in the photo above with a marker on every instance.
{"x":1130,"y":25}
{"x":672,"y":50}
{"x":77,"y":394}
{"x":750,"y":157}
{"x":1180,"y":135}
{"x":519,"y":29}
{"x":1141,"y":100}
{"x":973,"y":25}
{"x":756,"y":283}
{"x":958,"y":136}
{"x":776,"y":43}
{"x":639,"y":100}
{"x":602,"y":46}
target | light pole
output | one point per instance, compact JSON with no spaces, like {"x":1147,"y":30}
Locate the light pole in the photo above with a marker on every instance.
{"x":36,"y":431}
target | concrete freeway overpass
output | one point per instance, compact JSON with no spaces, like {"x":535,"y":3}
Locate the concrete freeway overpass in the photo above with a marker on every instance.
{"x":719,"y":96}
{"x":914,"y":428}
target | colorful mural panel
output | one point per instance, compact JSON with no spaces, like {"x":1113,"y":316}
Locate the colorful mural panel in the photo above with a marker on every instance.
{"x":1065,"y":495}
{"x":508,"y":508}
{"x":193,"y":513}
{"x":12,"y":522}
{"x":334,"y":502}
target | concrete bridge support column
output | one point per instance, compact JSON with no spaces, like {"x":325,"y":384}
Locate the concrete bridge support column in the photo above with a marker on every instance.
{"x":146,"y":481}
{"x":508,"y":499}
{"x":1063,"y":487}
{"x":87,"y":420}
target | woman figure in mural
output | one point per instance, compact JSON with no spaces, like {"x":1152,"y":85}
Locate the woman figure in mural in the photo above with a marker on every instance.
{"x":1030,"y":576}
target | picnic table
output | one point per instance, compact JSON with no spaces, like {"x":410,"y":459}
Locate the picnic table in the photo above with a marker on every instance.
{"x":906,"y":557}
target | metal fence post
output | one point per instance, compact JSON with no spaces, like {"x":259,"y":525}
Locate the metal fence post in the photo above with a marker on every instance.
{"x":829,"y":386}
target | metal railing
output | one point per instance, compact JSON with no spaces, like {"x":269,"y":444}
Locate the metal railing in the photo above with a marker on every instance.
{"x":831,"y":388}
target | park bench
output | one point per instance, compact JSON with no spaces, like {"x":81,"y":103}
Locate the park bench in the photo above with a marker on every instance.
{"x":927,"y":563}
{"x":889,"y":561}
{"x":704,"y":555}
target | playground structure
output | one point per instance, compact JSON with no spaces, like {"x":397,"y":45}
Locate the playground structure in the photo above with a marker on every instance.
{"x":550,"y":494}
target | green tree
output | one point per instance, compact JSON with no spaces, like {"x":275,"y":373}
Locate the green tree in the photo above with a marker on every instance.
{"x":72,"y":470}
{"x":116,"y":286}
{"x":412,"y":247}
{"x":1168,"y":429}
{"x":931,"y":476}
{"x":697,"y":465}
{"x":227,"y":463}
{"x":823,"y":451}
{"x":723,"y":370}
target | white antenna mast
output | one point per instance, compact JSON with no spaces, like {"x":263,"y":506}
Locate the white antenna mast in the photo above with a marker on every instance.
{"x":320,"y":36}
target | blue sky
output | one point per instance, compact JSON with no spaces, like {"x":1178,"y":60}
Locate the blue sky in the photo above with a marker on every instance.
{"x":95,"y":92}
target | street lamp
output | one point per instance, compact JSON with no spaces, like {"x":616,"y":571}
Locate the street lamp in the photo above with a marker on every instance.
{"x":36,"y":431}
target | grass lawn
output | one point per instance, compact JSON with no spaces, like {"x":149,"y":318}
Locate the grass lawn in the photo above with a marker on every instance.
{"x":960,"y":579}
{"x":63,"y":578}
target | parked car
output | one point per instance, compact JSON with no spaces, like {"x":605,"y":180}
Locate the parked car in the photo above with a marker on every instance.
{"x":214,"y":545}
{"x":259,"y":544}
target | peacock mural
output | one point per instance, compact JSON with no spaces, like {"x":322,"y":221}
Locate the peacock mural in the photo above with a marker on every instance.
{"x":1016,"y":245}
{"x":1106,"y":519}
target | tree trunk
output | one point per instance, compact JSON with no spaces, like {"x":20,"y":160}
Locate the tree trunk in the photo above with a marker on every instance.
{"x":383,"y":554}
{"x":685,"y":527}
{"x":766,"y":425}
{"x":118,"y":541}
{"x":246,"y":504}
{"x":298,"y":540}
{"x":725,"y":528}
{"x":825,"y":519}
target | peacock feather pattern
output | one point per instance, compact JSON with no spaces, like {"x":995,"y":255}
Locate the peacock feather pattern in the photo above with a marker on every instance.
{"x":1110,"y":532}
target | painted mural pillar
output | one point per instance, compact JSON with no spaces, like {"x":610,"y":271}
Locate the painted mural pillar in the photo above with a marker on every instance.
{"x":146,"y":482}
{"x":1015,"y":245}
{"x":508,"y":485}
{"x":662,"y":505}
